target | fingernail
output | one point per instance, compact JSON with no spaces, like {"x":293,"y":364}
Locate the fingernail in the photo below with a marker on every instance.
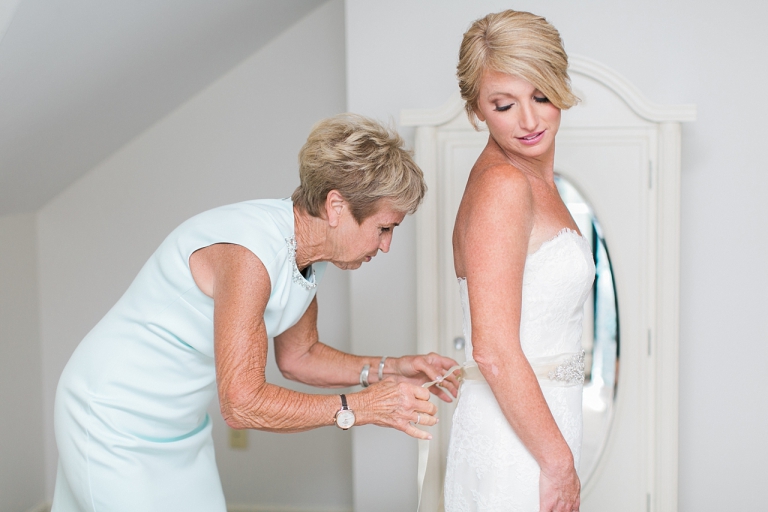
{"x":429,"y":438}
{"x":437,"y":420}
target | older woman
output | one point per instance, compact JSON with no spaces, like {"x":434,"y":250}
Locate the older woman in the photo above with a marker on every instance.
{"x":130,"y":415}
{"x":524,"y":273}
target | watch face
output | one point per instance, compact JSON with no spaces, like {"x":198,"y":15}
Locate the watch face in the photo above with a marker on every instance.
{"x":345,"y":419}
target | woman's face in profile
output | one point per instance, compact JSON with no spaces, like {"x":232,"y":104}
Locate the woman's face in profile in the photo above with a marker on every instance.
{"x":520,"y":118}
{"x":355,"y":243}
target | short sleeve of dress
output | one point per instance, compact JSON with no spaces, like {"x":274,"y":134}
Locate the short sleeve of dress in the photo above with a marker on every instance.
{"x":266,"y":228}
{"x":263,"y":227}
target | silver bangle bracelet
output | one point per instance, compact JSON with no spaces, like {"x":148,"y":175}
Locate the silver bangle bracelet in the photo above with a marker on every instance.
{"x":381,"y":368}
{"x":364,"y":376}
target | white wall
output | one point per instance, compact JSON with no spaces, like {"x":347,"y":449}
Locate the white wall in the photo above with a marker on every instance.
{"x":21,"y":420}
{"x":402,"y":54}
{"x":384,"y":323}
{"x":236,"y":140}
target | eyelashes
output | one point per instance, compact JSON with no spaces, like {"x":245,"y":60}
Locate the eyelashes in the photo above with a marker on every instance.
{"x":537,"y":99}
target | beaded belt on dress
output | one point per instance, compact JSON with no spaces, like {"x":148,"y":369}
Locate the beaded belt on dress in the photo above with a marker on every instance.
{"x":559,"y":370}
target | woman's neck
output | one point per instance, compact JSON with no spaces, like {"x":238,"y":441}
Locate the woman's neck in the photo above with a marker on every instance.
{"x":542,"y":167}
{"x":311,"y":236}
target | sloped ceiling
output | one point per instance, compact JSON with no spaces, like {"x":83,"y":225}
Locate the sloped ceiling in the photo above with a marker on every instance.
{"x":80,"y":78}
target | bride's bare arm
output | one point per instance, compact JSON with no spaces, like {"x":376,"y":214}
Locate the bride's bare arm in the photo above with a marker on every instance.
{"x":493,"y":230}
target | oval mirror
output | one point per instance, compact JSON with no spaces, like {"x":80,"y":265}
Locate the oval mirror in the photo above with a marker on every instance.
{"x":600,"y":335}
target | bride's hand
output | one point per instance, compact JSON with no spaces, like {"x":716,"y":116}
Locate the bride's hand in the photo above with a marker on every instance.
{"x":426,"y":368}
{"x":560,"y":493}
{"x":398,"y":405}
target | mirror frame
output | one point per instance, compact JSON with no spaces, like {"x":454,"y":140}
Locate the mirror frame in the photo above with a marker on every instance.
{"x":596,"y":239}
{"x":662,"y":306}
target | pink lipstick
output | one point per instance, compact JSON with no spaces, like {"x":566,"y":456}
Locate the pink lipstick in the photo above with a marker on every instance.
{"x":532,"y":139}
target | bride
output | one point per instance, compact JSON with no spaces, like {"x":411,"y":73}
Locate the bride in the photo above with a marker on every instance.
{"x":524,"y":273}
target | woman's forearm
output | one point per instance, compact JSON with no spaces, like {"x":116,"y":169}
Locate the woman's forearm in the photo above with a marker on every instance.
{"x":324,"y":366}
{"x":519,"y":395}
{"x":302,"y":357}
{"x":272,"y":408}
{"x":276,"y":409}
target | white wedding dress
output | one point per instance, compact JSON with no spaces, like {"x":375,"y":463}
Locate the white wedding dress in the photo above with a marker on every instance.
{"x":489,"y":469}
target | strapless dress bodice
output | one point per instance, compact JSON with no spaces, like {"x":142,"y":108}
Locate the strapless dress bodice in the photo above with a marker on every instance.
{"x":557,"y":280}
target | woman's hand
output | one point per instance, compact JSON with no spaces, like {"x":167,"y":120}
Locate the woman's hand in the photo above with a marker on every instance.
{"x":560,"y":493}
{"x":426,"y":368}
{"x":398,"y":405}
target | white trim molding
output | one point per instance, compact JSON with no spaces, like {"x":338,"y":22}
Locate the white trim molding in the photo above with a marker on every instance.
{"x":623,"y":109}
{"x":639,"y":104}
{"x":46,"y":507}
{"x":42,"y":507}
{"x":276,"y":508}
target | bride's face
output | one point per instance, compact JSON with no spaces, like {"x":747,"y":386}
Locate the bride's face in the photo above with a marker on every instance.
{"x":520,"y":118}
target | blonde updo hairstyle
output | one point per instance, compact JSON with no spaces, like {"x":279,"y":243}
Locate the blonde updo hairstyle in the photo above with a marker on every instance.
{"x":520,"y":44}
{"x":364,"y":161}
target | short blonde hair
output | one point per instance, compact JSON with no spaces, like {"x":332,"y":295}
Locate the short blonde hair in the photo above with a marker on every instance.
{"x":364,"y":161}
{"x":520,"y":44}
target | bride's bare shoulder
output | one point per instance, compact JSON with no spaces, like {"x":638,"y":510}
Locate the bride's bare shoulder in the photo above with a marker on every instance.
{"x":496,"y":193}
{"x":497,"y":205}
{"x":495,"y":182}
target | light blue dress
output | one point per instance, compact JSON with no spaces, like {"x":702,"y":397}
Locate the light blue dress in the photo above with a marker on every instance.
{"x":130,"y":416}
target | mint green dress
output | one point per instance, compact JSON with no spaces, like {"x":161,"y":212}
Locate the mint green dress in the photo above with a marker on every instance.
{"x":130,"y":415}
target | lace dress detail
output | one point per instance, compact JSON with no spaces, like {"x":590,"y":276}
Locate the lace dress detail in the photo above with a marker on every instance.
{"x":489,"y":469}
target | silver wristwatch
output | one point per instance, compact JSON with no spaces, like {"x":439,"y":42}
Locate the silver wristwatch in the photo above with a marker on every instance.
{"x":345,"y":418}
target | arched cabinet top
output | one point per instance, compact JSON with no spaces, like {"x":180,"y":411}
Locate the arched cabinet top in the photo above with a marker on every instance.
{"x":600,"y":88}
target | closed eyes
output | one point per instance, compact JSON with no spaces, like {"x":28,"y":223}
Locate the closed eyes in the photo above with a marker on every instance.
{"x":537,"y":99}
